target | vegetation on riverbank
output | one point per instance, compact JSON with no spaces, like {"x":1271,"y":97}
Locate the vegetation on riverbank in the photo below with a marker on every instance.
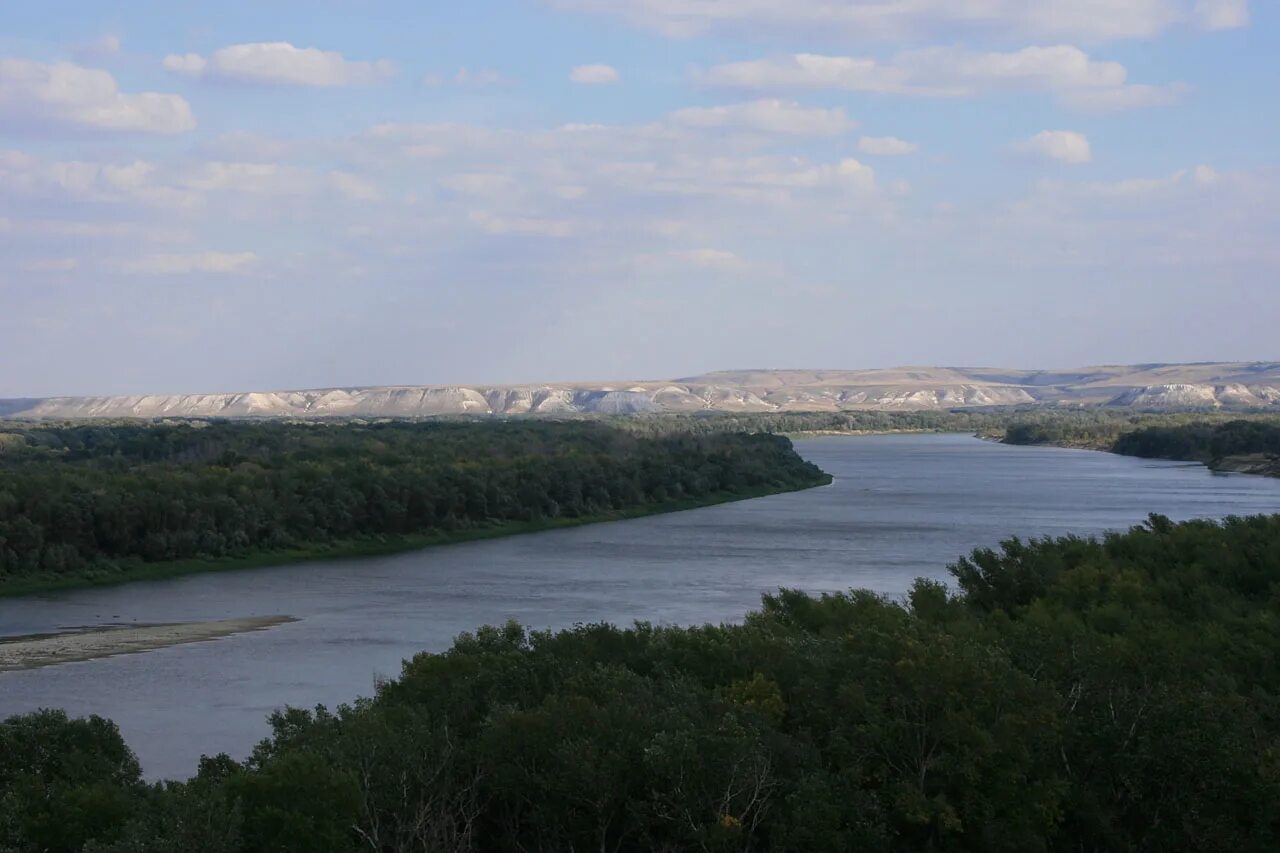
{"x":371,"y":546}
{"x":1116,"y":694}
{"x":1075,"y":425}
{"x":1238,"y":445}
{"x":104,"y":503}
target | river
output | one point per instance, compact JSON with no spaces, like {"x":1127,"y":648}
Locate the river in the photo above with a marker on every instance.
{"x":901,"y":506}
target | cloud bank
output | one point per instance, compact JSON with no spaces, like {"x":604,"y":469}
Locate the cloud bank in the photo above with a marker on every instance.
{"x":279,"y":64}
{"x":68,"y":95}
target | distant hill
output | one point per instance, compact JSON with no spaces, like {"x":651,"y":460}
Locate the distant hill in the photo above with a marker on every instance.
{"x":1229,"y":385}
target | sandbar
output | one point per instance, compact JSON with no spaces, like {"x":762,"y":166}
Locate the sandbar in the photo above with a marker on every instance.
{"x":91,"y":644}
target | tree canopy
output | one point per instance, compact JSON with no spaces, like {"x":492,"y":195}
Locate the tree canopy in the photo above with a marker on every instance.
{"x":97,"y":500}
{"x":1072,"y":694}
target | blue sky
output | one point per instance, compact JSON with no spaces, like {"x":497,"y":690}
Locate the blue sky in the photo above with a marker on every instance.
{"x":210,"y":197}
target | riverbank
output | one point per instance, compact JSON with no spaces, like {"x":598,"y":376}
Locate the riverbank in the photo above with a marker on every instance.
{"x":370,"y":547}
{"x":1258,"y":464}
{"x":72,"y":646}
{"x":1254,"y":464}
{"x":819,"y":433}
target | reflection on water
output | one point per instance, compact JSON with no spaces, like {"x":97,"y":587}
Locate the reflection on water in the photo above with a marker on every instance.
{"x":901,"y":507}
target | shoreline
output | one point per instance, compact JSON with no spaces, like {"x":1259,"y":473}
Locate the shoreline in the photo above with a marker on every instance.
{"x":819,"y":433}
{"x":372,"y":547}
{"x":1248,"y":465}
{"x":35,"y":652}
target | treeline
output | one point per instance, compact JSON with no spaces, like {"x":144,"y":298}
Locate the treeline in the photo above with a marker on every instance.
{"x":817,"y":422}
{"x":1075,"y":695}
{"x":1190,"y":438}
{"x":1091,"y":427}
{"x":98,"y":499}
{"x":1100,"y":429}
{"x":1201,"y":442}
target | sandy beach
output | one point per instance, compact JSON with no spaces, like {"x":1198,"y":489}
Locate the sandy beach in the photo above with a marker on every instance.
{"x":48,"y":650}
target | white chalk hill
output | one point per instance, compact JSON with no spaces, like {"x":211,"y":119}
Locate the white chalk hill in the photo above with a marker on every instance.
{"x":1224,"y":385}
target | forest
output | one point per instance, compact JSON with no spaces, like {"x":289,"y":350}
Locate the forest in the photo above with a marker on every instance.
{"x":1200,"y":442}
{"x":1072,"y":694}
{"x":108,"y":501}
{"x":799,"y":423}
{"x":1221,"y":443}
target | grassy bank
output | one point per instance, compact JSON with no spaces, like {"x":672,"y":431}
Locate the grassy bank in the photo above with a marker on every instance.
{"x":367,"y":547}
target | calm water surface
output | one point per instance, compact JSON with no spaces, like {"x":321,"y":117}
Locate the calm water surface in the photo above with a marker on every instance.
{"x":901,"y":507}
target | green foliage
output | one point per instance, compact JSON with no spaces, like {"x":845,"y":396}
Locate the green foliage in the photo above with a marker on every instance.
{"x":815,"y":422}
{"x":1202,"y":442}
{"x":1191,"y":437}
{"x":1076,"y":426}
{"x":63,"y":782}
{"x":1114,"y":694}
{"x":98,"y":500}
{"x":297,"y":803}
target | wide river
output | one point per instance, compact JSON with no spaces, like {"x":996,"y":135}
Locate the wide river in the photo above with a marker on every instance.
{"x":901,"y":507}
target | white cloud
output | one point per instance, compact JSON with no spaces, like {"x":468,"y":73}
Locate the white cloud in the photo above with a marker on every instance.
{"x":752,"y":181}
{"x":529,"y":226}
{"x":855,"y":174}
{"x":280,"y":64}
{"x":711,"y":259}
{"x":475,"y":78}
{"x":478,"y":183}
{"x":623,"y":166}
{"x":1055,"y":67}
{"x":1205,"y":175}
{"x":594,"y":75}
{"x":258,"y":178}
{"x":479,"y":77}
{"x":1222,"y":14}
{"x":243,"y":177}
{"x":1195,"y":215}
{"x":1200,"y":177}
{"x":810,"y":71}
{"x":932,"y":71}
{"x":1128,"y":97}
{"x":51,"y":265}
{"x":914,"y":19}
{"x":204,"y":262}
{"x":952,"y":72}
{"x":768,"y":116}
{"x":187,"y":63}
{"x":886,"y":146}
{"x":355,"y":187}
{"x":67,"y":94}
{"x":26,"y":176}
{"x":68,"y":228}
{"x":1064,"y":146}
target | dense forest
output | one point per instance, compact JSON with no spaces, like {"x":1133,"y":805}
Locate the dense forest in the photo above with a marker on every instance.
{"x":1236,"y":443}
{"x":1072,"y":695}
{"x":797,"y":423}
{"x":103,"y":500}
{"x":1202,"y":442}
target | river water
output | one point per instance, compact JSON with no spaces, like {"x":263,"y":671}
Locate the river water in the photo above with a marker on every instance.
{"x":901,"y":507}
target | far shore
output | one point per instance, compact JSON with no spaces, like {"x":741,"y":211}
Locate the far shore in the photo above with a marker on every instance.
{"x":49,"y":650}
{"x":816,"y":433}
{"x":1248,"y":464}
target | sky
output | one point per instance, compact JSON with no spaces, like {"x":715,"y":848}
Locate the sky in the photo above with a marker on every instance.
{"x":202,"y":197}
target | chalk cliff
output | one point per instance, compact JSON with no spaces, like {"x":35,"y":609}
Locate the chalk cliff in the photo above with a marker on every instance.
{"x":1149,"y":386}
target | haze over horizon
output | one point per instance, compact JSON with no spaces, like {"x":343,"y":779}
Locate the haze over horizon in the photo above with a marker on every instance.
{"x":243,"y":196}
